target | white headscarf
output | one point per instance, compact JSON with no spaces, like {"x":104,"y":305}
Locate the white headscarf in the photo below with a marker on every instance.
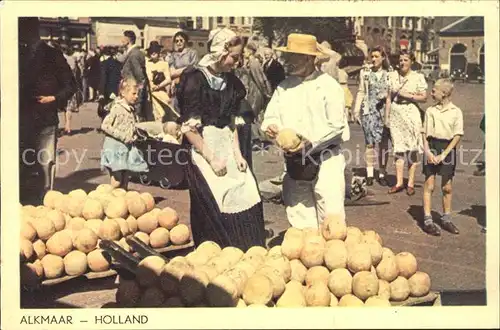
{"x":218,"y":38}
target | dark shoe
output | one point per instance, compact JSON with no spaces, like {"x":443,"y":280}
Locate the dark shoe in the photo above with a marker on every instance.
{"x":431,"y":229}
{"x":450,"y":227}
{"x":396,"y":189}
{"x":369,"y":181}
{"x":382,"y":181}
{"x":410,"y":191}
{"x":483,"y":230}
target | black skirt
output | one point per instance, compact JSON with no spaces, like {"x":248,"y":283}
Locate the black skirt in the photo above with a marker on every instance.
{"x":242,"y":230}
{"x":447,"y":167}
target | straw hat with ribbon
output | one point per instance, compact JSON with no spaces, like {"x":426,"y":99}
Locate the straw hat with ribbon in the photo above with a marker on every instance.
{"x":297,"y":43}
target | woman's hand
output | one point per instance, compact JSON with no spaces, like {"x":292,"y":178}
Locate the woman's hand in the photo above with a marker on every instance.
{"x":241,"y":163}
{"x":218,"y":166}
{"x":154,"y":88}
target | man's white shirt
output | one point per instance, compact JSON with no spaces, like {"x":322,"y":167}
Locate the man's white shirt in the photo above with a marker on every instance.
{"x":314,"y":107}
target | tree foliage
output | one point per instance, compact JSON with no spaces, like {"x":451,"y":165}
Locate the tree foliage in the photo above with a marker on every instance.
{"x":276,"y":29}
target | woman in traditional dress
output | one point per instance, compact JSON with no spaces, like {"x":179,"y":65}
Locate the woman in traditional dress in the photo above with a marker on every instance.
{"x":408,"y":88}
{"x":370,"y":113}
{"x":225,"y":202}
{"x":158,"y":73}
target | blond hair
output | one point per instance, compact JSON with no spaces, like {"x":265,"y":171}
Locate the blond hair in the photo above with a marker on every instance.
{"x":127,"y":83}
{"x":445,"y":85}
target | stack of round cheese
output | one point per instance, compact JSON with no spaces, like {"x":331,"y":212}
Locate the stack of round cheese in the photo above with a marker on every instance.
{"x":61,"y":237}
{"x":333,"y":266}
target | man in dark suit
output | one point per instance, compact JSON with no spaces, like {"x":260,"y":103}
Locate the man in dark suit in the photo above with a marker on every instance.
{"x":45,"y":85}
{"x":273,"y":70}
{"x":135,"y":66}
{"x":109,"y":81}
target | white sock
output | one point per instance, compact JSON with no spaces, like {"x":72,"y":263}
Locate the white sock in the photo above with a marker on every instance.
{"x":381,"y":174}
{"x":369,"y":171}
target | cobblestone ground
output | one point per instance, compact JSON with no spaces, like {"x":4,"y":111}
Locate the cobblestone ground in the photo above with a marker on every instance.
{"x":455,"y":263}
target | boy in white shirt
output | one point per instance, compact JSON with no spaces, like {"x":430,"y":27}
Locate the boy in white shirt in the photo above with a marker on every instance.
{"x":442,"y":131}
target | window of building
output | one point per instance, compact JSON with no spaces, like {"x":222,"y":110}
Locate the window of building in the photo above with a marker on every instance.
{"x":389,"y":22}
{"x":231,"y":20}
{"x":210,"y":23}
{"x":419,"y":24}
{"x":189,"y":24}
{"x":199,"y":22}
{"x":219,"y":20}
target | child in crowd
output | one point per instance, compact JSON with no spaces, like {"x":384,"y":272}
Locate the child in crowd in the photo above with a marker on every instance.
{"x":119,"y":155}
{"x":442,"y":131}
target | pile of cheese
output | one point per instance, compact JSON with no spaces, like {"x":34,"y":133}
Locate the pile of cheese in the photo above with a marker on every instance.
{"x":61,"y":237}
{"x":333,"y":266}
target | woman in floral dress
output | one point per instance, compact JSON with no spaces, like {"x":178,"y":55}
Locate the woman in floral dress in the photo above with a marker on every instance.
{"x":408,"y":88}
{"x":369,"y":111}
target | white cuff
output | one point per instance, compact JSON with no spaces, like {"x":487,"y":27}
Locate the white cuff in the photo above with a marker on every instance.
{"x":239,"y":121}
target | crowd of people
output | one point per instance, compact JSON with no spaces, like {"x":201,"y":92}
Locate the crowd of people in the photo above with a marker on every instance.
{"x":240,"y":96}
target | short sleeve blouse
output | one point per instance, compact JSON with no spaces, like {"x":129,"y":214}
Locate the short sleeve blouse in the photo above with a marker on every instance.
{"x":198,"y":100}
{"x":414,"y":83}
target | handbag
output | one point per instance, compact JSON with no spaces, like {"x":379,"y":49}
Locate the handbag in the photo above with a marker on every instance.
{"x":158,"y":77}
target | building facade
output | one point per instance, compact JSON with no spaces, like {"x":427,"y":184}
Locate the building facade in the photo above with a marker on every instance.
{"x":241,"y":25}
{"x":462,"y":44}
{"x":77,"y":30}
{"x":419,"y":34}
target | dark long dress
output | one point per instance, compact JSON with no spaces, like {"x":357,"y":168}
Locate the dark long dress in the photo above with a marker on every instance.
{"x":216,"y":109}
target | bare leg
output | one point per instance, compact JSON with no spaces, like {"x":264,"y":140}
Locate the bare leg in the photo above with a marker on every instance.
{"x":116,"y":178}
{"x":428,"y":189}
{"x":412,"y":166}
{"x":67,"y":123}
{"x":447,"y":194}
{"x":400,"y":166}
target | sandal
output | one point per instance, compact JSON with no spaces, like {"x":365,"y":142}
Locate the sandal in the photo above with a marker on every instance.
{"x":395,"y":189}
{"x":410,"y":191}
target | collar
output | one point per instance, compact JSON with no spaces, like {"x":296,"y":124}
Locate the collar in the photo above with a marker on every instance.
{"x":183,"y":51}
{"x":121,"y":101}
{"x":313,"y":75}
{"x":446,"y":107}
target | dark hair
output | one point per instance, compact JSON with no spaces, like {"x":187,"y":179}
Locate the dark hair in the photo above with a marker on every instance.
{"x":408,"y":53}
{"x":154,"y":47}
{"x":385,"y":63}
{"x":130,"y":35}
{"x":183,"y":35}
